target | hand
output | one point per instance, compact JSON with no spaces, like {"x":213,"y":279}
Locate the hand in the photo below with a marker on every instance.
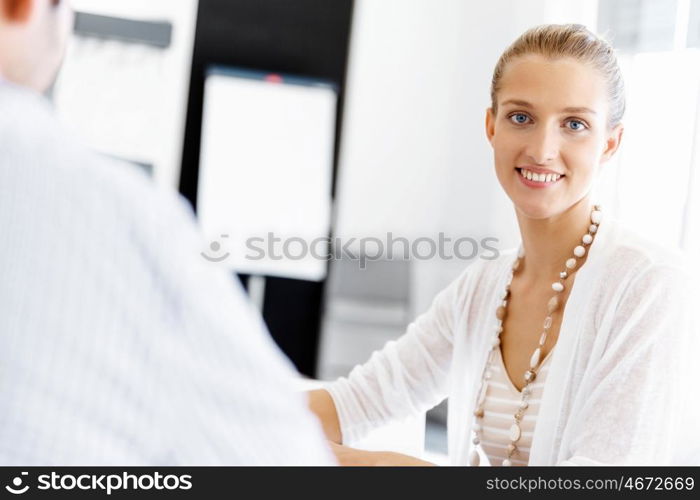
{"x":352,"y":457}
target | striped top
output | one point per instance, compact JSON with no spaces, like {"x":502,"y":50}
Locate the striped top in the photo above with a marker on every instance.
{"x":502,"y":401}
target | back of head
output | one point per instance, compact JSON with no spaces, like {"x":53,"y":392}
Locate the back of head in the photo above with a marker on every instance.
{"x":575,"y":41}
{"x":33,"y":36}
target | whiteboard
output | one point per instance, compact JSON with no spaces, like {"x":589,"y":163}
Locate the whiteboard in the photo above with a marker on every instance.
{"x":265,"y":172}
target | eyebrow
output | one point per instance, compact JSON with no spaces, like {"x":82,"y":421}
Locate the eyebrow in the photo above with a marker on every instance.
{"x":574,"y":109}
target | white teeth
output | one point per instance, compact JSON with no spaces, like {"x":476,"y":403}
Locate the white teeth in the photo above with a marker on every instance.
{"x":539,"y":177}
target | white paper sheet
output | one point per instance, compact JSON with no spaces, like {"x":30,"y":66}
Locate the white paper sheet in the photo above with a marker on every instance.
{"x":266,"y":166}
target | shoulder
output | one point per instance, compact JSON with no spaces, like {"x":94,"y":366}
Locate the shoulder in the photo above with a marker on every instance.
{"x":647,"y":282}
{"x":638,"y":252}
{"x":641,"y":264}
{"x":44,"y":160}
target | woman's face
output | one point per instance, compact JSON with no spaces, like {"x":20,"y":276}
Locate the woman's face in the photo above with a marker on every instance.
{"x":551,"y":125}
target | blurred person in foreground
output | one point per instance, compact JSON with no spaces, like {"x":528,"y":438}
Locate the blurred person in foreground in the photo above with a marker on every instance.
{"x":120,"y":344}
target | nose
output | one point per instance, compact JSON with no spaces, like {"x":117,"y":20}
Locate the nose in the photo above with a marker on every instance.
{"x":543,"y":145}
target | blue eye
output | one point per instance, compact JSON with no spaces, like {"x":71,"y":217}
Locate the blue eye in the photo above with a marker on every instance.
{"x":518,"y":116}
{"x":580,"y":124}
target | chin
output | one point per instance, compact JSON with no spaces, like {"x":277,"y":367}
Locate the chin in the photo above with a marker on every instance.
{"x":536,"y":209}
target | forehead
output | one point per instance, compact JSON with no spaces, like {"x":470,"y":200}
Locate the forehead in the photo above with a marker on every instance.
{"x":553,"y":84}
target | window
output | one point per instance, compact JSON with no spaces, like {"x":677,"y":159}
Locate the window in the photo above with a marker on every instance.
{"x":652,"y":184}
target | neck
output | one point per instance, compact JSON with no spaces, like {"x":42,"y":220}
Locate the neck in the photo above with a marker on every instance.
{"x":548,"y":243}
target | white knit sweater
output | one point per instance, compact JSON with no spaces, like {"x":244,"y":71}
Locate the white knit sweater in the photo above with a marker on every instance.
{"x":119,"y":343}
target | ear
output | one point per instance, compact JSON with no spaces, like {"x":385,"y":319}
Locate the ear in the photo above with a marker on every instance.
{"x":17,"y":10}
{"x":612,"y":142}
{"x":490,"y":125}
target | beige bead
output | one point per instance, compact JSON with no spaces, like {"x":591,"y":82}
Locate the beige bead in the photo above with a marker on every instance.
{"x":507,"y":463}
{"x":570,"y":263}
{"x":530,"y":376}
{"x":501,"y":312}
{"x":479,"y":413}
{"x":535,"y":359}
{"x":593,"y":228}
{"x":514,"y":433}
{"x":510,"y":448}
{"x":547,"y":322}
{"x":553,"y":304}
{"x":516,"y":265}
{"x":474,"y":458}
{"x":579,"y":251}
{"x":543,"y":338}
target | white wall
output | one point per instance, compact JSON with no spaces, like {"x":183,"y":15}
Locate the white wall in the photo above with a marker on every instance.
{"x":414,"y":158}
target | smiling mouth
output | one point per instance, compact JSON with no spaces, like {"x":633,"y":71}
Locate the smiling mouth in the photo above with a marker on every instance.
{"x":539,"y":177}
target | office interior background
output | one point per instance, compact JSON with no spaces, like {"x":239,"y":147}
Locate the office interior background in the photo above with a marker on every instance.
{"x":358,"y":119}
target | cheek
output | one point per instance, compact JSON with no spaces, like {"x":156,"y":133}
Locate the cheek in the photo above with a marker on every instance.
{"x":505,"y":150}
{"x":582,"y":157}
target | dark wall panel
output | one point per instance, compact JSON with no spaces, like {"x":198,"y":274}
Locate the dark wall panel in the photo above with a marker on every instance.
{"x":301,"y":37}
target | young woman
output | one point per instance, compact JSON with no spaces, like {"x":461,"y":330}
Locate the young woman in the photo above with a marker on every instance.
{"x":575,"y":348}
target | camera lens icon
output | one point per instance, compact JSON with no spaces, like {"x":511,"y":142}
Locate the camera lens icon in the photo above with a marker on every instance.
{"x":215,"y":246}
{"x":16,"y":488}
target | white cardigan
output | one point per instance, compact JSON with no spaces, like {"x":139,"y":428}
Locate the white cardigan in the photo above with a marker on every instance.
{"x":620,"y":390}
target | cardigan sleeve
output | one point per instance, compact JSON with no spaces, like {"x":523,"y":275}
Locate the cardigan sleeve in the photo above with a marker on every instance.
{"x":407,"y":376}
{"x":640,"y":396}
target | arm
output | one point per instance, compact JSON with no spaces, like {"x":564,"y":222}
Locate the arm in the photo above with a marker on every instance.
{"x":406,"y":377}
{"x":322,"y":405}
{"x":228,"y":391}
{"x":350,"y":457}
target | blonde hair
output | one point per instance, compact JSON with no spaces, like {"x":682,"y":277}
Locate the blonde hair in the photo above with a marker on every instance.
{"x":568,"y":40}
